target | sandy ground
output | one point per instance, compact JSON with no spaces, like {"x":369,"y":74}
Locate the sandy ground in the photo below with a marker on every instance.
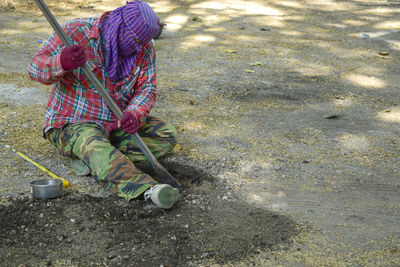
{"x":290,"y":106}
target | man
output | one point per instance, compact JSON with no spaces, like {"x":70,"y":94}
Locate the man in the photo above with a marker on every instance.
{"x":118,"y":47}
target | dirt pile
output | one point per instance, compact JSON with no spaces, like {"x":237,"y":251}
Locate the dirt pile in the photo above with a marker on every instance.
{"x":85,"y":231}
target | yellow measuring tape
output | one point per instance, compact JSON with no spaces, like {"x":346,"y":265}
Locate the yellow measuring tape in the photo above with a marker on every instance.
{"x":65,"y":182}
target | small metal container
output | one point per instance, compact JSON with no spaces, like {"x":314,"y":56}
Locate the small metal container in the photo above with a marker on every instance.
{"x":44,"y":189}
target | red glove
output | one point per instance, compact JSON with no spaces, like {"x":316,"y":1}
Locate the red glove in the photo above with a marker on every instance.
{"x":115,"y":125}
{"x":129,"y":123}
{"x":72,"y":57}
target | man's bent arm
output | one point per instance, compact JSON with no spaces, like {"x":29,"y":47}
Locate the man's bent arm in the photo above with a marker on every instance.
{"x":144,"y":95}
{"x":46,"y":65}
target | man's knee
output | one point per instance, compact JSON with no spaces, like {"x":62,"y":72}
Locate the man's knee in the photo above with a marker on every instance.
{"x":170,"y":134}
{"x":160,"y":130}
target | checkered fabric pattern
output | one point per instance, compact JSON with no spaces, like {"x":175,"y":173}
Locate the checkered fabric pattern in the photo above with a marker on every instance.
{"x":73,"y":98}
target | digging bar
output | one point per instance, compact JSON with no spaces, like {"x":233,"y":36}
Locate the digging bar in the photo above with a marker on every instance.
{"x":162,"y":174}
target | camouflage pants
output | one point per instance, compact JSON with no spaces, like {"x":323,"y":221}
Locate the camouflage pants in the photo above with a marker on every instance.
{"x":111,"y":159}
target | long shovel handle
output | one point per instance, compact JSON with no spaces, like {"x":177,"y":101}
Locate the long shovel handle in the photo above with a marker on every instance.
{"x":163,"y":175}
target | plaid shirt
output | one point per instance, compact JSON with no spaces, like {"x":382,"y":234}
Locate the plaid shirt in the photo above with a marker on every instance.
{"x":73,"y":98}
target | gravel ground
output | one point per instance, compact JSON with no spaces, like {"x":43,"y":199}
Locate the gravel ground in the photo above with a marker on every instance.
{"x":288,"y":108}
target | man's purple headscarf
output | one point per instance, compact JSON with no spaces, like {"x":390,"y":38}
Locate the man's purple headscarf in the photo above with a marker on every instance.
{"x":125,"y":30}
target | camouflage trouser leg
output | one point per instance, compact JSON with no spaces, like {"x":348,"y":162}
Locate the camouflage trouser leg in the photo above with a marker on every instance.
{"x":109,"y":166}
{"x":159,"y":136}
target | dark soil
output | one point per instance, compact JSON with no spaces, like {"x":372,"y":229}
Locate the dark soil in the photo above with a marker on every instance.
{"x":208,"y":223}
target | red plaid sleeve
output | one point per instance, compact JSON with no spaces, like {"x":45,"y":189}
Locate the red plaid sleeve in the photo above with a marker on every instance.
{"x":46,"y":65}
{"x":145,"y":89}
